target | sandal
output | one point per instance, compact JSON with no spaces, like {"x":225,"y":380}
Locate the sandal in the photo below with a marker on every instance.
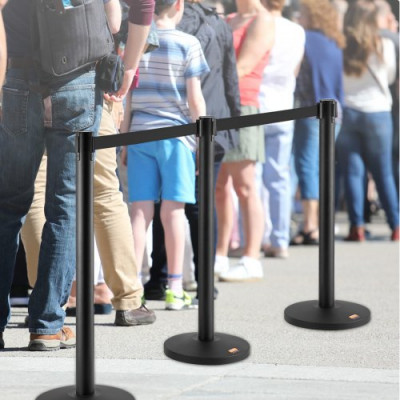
{"x":304,"y":238}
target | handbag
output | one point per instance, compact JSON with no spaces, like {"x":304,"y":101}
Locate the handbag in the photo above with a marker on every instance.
{"x":110,"y":73}
{"x":66,"y":39}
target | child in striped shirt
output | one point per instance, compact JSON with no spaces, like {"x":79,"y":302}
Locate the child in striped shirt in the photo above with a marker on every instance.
{"x":169,"y":94}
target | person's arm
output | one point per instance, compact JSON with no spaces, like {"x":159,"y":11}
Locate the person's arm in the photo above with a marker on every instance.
{"x":114,"y":15}
{"x":140,"y":17}
{"x":197,"y":105}
{"x":3,"y":49}
{"x":259,"y":39}
{"x":229,"y":73}
{"x":127,"y":115}
{"x":125,"y":125}
{"x":300,"y":51}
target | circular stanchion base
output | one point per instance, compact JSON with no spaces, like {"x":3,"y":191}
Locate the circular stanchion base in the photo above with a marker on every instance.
{"x":101,"y":393}
{"x":344,"y":315}
{"x":224,"y":349}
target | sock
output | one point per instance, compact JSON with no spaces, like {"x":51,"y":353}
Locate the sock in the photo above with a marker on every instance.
{"x":175,"y":283}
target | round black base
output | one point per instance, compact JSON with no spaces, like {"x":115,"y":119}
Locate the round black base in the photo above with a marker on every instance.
{"x":224,"y":349}
{"x":101,"y":393}
{"x":344,"y":315}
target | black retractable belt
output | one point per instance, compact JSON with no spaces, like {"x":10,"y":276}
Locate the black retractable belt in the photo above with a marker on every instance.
{"x":204,"y":347}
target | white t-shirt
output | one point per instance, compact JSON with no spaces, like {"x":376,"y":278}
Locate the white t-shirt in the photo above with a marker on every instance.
{"x":279,"y":81}
{"x":363,"y":93}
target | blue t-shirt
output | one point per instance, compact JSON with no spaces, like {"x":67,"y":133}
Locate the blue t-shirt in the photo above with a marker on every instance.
{"x":161,"y":98}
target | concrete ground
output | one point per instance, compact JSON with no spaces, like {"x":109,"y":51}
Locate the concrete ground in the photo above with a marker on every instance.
{"x":286,"y":362}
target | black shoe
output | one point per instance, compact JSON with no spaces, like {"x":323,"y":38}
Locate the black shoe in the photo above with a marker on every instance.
{"x":140,"y":316}
{"x":99,"y":309}
{"x":1,"y":341}
{"x":154,"y":291}
{"x":215,"y":294}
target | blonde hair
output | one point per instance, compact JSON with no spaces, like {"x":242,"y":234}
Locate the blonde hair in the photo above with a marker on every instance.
{"x":323,"y":16}
{"x":362,"y":36}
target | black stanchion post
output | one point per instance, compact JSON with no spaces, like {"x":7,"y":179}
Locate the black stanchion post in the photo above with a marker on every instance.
{"x":85,"y":388}
{"x":327,"y":114}
{"x":205,"y":347}
{"x":84,"y":269}
{"x":206,"y":130}
{"x":326,"y":313}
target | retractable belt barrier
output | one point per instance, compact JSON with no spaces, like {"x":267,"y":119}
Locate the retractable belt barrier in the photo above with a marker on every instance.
{"x":205,"y":346}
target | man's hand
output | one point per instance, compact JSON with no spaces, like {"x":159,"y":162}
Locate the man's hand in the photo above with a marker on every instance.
{"x":126,"y":84}
{"x":2,"y":3}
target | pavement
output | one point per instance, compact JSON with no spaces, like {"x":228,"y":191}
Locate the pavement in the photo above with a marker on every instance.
{"x":286,"y":362}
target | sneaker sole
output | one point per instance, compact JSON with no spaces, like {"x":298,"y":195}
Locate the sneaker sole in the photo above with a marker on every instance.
{"x":49,"y":345}
{"x":172,"y":307}
{"x":43,"y":345}
{"x":280,"y":256}
{"x":221,"y":279}
{"x":134,"y":323}
{"x":218,"y":274}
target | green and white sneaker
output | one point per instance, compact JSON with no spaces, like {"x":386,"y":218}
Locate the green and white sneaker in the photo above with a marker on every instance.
{"x":174,"y":302}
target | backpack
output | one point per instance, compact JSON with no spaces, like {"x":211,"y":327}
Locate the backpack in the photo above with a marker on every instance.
{"x":67,"y":39}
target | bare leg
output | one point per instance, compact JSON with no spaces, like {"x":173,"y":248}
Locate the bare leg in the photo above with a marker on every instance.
{"x":309,"y":234}
{"x":243,"y":176}
{"x":224,"y":208}
{"x":310,"y":209}
{"x":173,"y":220}
{"x":141,"y":215}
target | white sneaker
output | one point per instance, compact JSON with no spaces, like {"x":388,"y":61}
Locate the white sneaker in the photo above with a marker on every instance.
{"x":246,"y":270}
{"x":190,"y":286}
{"x":221,"y":265}
{"x":276,"y":252}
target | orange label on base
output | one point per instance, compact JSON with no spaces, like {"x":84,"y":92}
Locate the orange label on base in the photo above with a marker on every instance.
{"x":354,"y":316}
{"x":234,"y":350}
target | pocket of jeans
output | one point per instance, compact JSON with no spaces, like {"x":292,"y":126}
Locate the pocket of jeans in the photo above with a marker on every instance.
{"x":14,"y":113}
{"x":73,"y":107}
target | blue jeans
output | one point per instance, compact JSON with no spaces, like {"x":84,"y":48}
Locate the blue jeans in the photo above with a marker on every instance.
{"x":276,"y":178}
{"x":306,"y":156}
{"x":30,"y":124}
{"x":365,"y":143}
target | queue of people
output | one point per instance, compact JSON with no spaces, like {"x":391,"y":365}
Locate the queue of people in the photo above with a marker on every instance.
{"x":193,"y":61}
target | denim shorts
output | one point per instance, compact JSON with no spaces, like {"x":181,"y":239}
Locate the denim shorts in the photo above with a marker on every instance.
{"x":161,"y":170}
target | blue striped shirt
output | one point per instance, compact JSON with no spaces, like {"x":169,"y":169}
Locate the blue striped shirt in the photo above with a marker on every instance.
{"x":161,"y":98}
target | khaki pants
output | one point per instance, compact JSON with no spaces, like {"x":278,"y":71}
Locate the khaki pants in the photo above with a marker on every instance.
{"x":111,"y":225}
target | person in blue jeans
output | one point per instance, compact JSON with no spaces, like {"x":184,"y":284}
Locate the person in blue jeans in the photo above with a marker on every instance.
{"x":365,"y":140}
{"x":41,"y":111}
{"x":30,"y":124}
{"x":320,"y":78}
{"x":277,"y":93}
